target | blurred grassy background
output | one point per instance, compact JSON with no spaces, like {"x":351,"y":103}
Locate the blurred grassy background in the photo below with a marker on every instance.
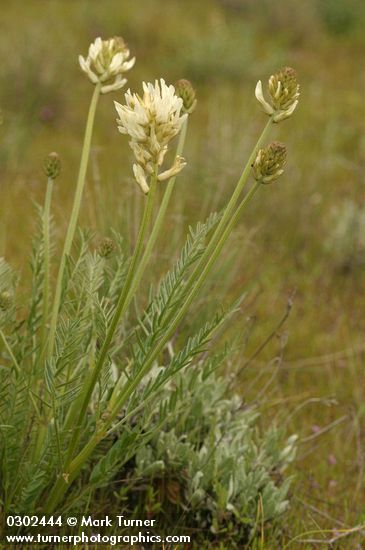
{"x":300,"y":235}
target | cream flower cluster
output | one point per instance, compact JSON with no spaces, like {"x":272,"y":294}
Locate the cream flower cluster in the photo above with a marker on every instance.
{"x":283,"y":89}
{"x":106,"y":62}
{"x":151,"y":121}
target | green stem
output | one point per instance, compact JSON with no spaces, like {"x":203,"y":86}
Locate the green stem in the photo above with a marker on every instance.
{"x":183,"y":309}
{"x":46,"y":241}
{"x":135,"y":271}
{"x":227,"y":214}
{"x":45,"y":304}
{"x":203,"y":267}
{"x":84,"y":454}
{"x":121,"y":305}
{"x":91,"y":381}
{"x":74,"y":216}
{"x":156,"y":226}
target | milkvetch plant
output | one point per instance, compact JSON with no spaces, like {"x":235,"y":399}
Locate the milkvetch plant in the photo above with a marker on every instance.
{"x":81,"y":375}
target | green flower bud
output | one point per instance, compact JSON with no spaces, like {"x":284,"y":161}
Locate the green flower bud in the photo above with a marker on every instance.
{"x":106,"y":247}
{"x":269,"y":162}
{"x":185,"y":90}
{"x":52,"y":166}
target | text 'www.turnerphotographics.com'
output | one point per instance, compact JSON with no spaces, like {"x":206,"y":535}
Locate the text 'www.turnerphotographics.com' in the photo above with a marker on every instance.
{"x":110,"y":530}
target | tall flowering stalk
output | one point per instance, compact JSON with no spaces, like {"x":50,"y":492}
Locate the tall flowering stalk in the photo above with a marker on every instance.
{"x":107,"y":60}
{"x":187,"y":93}
{"x":151,"y":122}
{"x":52,"y":168}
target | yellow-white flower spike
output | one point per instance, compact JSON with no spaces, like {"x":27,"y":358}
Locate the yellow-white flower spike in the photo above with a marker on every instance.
{"x":151,"y":121}
{"x":283,"y":90}
{"x":107,"y":62}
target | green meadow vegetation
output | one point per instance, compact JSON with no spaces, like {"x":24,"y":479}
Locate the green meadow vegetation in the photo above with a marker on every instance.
{"x":246,"y":428}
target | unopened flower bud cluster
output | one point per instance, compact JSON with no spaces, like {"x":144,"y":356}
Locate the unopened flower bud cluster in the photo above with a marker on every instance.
{"x":106,"y":247}
{"x":52,"y":166}
{"x":269,"y":163}
{"x":283,"y":89}
{"x":185,"y":90}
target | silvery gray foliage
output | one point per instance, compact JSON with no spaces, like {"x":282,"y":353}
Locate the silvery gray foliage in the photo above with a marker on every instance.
{"x":222,"y":468}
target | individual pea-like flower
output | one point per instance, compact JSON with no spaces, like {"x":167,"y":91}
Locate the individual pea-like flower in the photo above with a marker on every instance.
{"x":283,"y":89}
{"x":269,"y":163}
{"x":52,"y":165}
{"x":185,"y":90}
{"x":151,"y":121}
{"x":106,"y":62}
